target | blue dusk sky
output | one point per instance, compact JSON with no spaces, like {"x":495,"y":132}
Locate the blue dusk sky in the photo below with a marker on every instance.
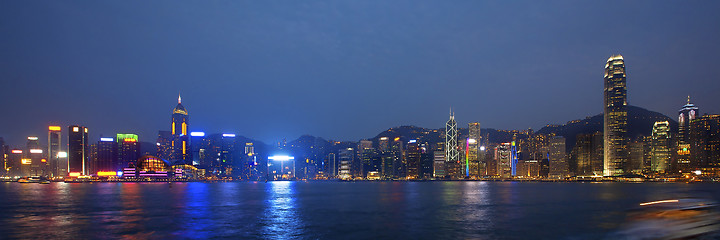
{"x":343,"y":70}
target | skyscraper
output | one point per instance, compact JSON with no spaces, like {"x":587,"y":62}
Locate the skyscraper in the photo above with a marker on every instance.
{"x":346,"y":157}
{"x":615,"y":114}
{"x":688,"y":113}
{"x":503,"y":159}
{"x":128,"y":149}
{"x":473,"y":141}
{"x":106,"y":157}
{"x":78,"y":150}
{"x":558,"y":159}
{"x":3,"y":157}
{"x":38,"y":164}
{"x":661,"y":146}
{"x":452,"y":155}
{"x":180,"y":145}
{"x":705,"y":142}
{"x":54,"y":143}
{"x":413,"y":160}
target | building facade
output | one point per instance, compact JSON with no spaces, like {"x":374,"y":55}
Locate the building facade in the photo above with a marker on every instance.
{"x":615,"y":117}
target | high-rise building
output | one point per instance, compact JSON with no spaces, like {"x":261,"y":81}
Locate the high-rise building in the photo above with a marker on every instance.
{"x":53,"y":153}
{"x":180,"y":145}
{"x":452,"y":155}
{"x":128,"y":149}
{"x":688,"y":113}
{"x":615,"y":114}
{"x":78,"y":152}
{"x":346,"y":157}
{"x":106,"y":157}
{"x":471,"y":151}
{"x":705,"y":142}
{"x":34,"y":154}
{"x":14,"y":162}
{"x":558,"y":159}
{"x":439,"y":164}
{"x":413,"y":160}
{"x":636,"y":158}
{"x":398,"y":154}
{"x":366,"y":156}
{"x":3,"y":157}
{"x":165,"y":145}
{"x":331,"y":169}
{"x":661,"y":147}
{"x":503,"y":159}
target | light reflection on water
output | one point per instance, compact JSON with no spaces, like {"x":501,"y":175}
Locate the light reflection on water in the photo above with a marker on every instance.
{"x":324,"y":210}
{"x":280,"y":219}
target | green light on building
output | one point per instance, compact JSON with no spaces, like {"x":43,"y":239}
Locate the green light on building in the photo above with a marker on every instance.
{"x":122,"y":136}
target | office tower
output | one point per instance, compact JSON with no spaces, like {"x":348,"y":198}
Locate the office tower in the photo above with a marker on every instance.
{"x":661,"y":147}
{"x":398,"y":154}
{"x":384,"y":144}
{"x":331,"y":165}
{"x":165,"y":145}
{"x":558,"y":159}
{"x":179,"y":142}
{"x":128,"y":149}
{"x":346,"y":157}
{"x":688,"y":113}
{"x":106,"y":158}
{"x":53,"y":152}
{"x":528,"y":168}
{"x":503,"y":159}
{"x":3,"y":157}
{"x":705,"y":142}
{"x":92,"y":158}
{"x":367,"y":157}
{"x":471,"y":150}
{"x":228,"y":157}
{"x":249,"y":161}
{"x":439,"y":164}
{"x":413,"y":160}
{"x":426,"y":161}
{"x":452,"y":155}
{"x":615,"y":114}
{"x":387,"y":160}
{"x":588,"y":154}
{"x":34,"y":156}
{"x":15,"y":162}
{"x":78,"y":153}
{"x":199,"y":145}
{"x":636,"y":159}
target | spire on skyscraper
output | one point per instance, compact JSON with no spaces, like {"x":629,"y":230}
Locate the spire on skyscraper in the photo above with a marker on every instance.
{"x":179,"y":99}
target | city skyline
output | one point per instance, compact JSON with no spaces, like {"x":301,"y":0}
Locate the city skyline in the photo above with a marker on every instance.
{"x":340,"y":83}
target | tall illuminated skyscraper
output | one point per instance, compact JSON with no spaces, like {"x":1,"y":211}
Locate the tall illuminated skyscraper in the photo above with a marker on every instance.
{"x":615,"y":113}
{"x":688,"y":113}
{"x":661,"y":146}
{"x":557,"y":157}
{"x":452,"y":155}
{"x":705,"y":142}
{"x":179,"y":144}
{"x":78,"y":153}
{"x":128,"y":149}
{"x":472,"y":146}
{"x":54,"y":143}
